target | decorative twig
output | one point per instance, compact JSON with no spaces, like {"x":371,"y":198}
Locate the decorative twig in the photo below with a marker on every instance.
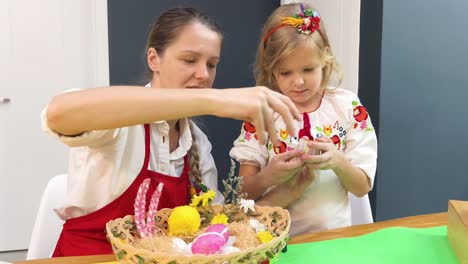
{"x":233,"y":186}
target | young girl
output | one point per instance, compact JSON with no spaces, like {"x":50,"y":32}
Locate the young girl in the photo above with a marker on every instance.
{"x":112,"y":152}
{"x":295,"y":58}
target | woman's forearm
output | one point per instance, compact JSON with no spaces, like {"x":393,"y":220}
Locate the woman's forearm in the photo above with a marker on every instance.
{"x":277,"y":196}
{"x":111,"y":107}
{"x":289,"y":191}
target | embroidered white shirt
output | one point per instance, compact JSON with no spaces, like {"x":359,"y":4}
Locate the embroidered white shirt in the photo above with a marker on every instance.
{"x":324,"y":204}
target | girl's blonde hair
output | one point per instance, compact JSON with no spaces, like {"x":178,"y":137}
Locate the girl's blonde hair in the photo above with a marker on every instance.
{"x":283,"y":41}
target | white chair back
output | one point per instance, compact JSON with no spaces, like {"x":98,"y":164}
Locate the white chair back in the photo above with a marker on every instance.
{"x":48,"y":225}
{"x":361,"y":212}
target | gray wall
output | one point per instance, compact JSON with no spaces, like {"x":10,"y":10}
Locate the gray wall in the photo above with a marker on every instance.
{"x":241,"y":20}
{"x":423,"y":114}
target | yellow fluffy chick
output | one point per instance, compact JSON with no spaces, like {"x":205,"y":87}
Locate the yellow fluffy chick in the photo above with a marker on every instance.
{"x":184,"y":220}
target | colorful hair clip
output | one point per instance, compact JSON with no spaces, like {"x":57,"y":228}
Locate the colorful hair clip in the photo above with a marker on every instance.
{"x":308,"y":21}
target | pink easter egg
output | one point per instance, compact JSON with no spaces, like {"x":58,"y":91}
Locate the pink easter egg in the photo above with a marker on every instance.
{"x":219,"y":228}
{"x":208,"y":243}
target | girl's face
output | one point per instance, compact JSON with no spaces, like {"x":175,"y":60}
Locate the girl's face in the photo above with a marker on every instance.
{"x":188,"y":62}
{"x":299,"y":76}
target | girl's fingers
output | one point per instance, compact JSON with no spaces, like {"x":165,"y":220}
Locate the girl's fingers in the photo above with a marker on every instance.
{"x":324,"y":139}
{"x":286,"y":156}
{"x":321,"y":146}
{"x":316,"y":158}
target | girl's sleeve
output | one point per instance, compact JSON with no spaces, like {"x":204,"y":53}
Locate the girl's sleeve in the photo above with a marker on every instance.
{"x":247,"y":149}
{"x":361,"y":140}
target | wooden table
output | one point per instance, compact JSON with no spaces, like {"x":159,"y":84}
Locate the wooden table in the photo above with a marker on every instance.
{"x":420,"y":221}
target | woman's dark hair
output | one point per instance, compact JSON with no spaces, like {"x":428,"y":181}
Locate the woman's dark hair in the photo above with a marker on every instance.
{"x":170,"y":23}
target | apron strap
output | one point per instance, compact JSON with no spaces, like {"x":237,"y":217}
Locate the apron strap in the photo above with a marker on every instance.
{"x":147,"y":146}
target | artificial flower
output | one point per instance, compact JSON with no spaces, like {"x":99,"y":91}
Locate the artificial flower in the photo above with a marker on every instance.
{"x":256,"y":225}
{"x":247,"y":204}
{"x":203,"y":199}
{"x":264,"y":236}
{"x":196,"y":201}
{"x":220,"y":219}
{"x":207,"y":197}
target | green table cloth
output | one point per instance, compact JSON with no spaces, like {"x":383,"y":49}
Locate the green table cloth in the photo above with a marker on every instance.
{"x":389,"y":245}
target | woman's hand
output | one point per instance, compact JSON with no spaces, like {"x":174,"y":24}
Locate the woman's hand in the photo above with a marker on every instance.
{"x":289,"y":191}
{"x":297,"y":185}
{"x":257,"y":105}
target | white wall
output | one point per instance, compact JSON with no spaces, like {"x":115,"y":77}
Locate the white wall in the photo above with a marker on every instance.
{"x":341,"y":19}
{"x":46,"y":47}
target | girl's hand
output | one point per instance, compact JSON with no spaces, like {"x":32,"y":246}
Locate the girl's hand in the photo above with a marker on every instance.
{"x":322,"y":155}
{"x":282,"y":167}
{"x":258,"y":105}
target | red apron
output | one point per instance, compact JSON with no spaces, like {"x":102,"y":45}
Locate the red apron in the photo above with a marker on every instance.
{"x":85,"y":235}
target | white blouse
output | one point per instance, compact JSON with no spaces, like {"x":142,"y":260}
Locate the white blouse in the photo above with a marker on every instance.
{"x":103,"y":164}
{"x":342,"y":118}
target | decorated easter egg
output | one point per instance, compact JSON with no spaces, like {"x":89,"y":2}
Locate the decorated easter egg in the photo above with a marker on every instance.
{"x":208,"y":243}
{"x":184,"y":220}
{"x":220,"y":229}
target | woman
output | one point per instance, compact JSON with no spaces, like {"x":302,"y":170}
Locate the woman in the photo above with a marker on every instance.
{"x":113,"y":151}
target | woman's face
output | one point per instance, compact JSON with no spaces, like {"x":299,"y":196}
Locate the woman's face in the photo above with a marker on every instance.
{"x":188,"y":62}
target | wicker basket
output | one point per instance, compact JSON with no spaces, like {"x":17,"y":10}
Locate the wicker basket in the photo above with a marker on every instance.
{"x":120,"y":234}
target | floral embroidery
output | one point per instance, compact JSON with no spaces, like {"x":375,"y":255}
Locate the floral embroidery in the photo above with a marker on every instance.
{"x":335,"y":131}
{"x":281,"y":148}
{"x":360,"y":115}
{"x":327,"y":130}
{"x":284,"y":134}
{"x":364,"y":124}
{"x":249,"y":130}
{"x":342,"y":132}
{"x":247,"y":136}
{"x":336,"y":125}
{"x":319,"y":132}
{"x":337,"y":141}
{"x":270,"y":145}
{"x":249,"y":127}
